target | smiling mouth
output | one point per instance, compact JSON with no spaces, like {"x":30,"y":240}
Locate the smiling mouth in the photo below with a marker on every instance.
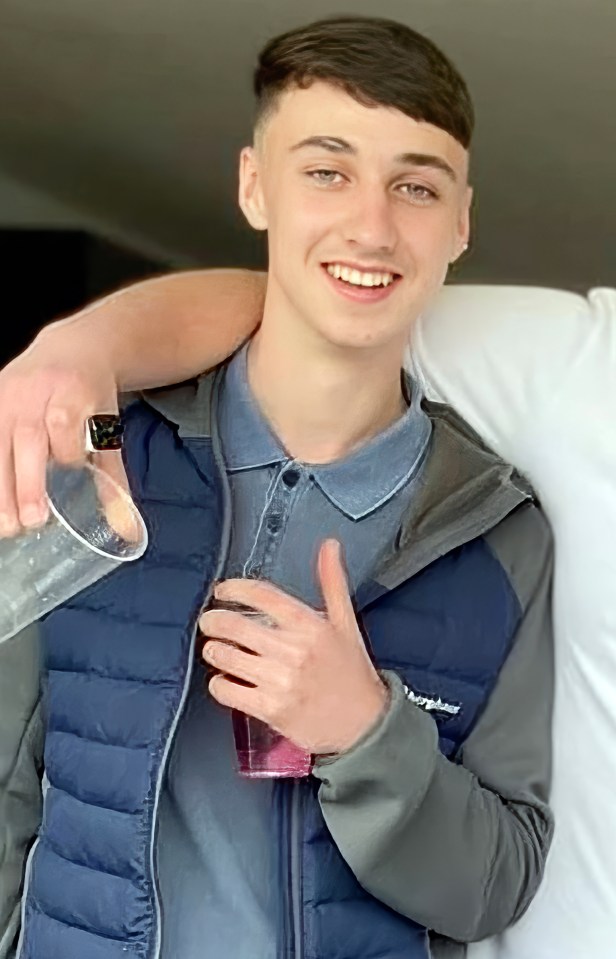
{"x":380,"y":279}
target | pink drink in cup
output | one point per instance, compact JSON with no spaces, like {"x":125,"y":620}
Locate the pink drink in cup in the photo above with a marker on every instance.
{"x":261,"y":751}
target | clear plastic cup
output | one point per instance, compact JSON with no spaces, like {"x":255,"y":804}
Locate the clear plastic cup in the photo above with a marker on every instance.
{"x":93,"y":527}
{"x":262,"y":752}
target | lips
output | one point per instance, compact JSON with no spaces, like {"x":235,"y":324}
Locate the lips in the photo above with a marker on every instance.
{"x":359,"y":293}
{"x":360,"y":274}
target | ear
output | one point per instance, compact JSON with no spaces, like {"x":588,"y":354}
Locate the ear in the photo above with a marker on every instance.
{"x":250,"y":197}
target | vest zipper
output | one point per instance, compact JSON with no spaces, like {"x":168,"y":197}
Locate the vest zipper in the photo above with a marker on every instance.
{"x":287,"y":797}
{"x":285,"y":932}
{"x":222,"y":559}
{"x":161,"y":773}
{"x":295,"y":853}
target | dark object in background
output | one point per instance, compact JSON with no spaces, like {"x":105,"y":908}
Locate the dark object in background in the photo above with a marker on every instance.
{"x":48,"y":274}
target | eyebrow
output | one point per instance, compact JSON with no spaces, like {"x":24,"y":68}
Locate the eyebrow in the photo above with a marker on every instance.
{"x":337,"y":145}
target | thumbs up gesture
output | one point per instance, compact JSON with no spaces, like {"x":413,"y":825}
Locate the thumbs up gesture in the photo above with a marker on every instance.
{"x":312,"y":678}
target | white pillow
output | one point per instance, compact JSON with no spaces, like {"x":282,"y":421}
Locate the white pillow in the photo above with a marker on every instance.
{"x":534,"y":372}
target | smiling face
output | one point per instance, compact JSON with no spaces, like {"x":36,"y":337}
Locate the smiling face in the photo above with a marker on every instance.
{"x":364,"y":208}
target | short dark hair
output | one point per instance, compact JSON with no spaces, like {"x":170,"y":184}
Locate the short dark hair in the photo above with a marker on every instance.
{"x":377,"y":62}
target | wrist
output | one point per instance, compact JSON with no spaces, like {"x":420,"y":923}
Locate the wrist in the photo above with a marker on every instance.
{"x":372,"y":717}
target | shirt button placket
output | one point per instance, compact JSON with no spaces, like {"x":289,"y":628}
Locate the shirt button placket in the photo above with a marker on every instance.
{"x":278,"y":509}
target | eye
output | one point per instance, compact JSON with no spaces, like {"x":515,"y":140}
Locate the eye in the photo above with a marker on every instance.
{"x":325,"y":177}
{"x":416,"y":191}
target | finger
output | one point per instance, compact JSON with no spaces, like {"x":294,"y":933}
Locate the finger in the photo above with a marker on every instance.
{"x":334,"y":582}
{"x":240,"y":628}
{"x":30,"y":454}
{"x":246,"y":699}
{"x":71,"y":402}
{"x":233,"y":661}
{"x":265,"y":597}
{"x":9,"y":518}
{"x":65,"y":429}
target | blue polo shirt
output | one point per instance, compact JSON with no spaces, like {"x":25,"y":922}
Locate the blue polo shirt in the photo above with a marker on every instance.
{"x":216,"y":842}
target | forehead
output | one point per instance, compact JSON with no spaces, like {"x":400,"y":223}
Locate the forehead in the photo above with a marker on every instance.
{"x":324,"y":109}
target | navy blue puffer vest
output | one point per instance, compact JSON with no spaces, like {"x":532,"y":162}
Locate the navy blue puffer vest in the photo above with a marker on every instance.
{"x":119,"y":658}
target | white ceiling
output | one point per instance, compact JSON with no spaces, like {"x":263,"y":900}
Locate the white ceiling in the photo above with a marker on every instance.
{"x":132,"y":112}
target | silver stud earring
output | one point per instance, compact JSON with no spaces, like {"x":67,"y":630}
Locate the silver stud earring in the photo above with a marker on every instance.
{"x":463,"y":250}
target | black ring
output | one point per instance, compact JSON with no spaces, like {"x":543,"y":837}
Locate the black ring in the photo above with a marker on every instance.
{"x":105,"y":431}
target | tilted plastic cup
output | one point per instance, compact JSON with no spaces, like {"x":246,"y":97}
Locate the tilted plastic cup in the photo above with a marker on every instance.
{"x":93,"y":528}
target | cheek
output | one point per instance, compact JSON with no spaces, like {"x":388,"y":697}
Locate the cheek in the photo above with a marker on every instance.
{"x":433,"y":244}
{"x":300,"y":228}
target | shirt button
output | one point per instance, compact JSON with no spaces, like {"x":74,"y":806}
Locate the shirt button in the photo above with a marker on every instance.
{"x":291,"y":477}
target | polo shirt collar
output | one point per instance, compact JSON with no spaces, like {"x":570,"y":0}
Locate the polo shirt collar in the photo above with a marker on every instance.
{"x":358,"y":483}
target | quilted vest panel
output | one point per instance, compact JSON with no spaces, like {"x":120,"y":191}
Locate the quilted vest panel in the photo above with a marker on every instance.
{"x":117,"y":657}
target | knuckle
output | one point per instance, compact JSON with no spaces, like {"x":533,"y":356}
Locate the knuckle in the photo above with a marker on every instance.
{"x":215,"y":652}
{"x":301,"y":654}
{"x":286,"y":680}
{"x":58,"y":417}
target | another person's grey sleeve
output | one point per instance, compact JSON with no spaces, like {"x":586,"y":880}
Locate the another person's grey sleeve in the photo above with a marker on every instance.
{"x":21,"y":749}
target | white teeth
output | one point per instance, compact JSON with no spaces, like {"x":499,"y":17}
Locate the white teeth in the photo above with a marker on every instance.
{"x":358,"y":278}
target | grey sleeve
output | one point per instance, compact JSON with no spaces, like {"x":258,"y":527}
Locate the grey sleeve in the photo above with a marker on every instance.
{"x":21,"y":751}
{"x":459,"y":846}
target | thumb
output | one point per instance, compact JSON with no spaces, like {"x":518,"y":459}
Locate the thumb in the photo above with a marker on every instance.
{"x":333,"y":579}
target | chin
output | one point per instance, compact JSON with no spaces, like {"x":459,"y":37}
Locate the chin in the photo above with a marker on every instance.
{"x":348,"y":336}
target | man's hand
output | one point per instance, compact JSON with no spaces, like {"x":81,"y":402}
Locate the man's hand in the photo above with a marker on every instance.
{"x":46,"y":394}
{"x":153,"y":333}
{"x":313,"y":679}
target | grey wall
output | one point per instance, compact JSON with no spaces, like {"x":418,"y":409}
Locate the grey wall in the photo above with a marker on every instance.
{"x":132,"y":114}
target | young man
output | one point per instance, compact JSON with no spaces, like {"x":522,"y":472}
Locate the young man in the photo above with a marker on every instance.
{"x":418,"y":672}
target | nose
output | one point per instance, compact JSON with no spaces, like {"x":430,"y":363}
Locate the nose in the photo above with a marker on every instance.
{"x":371,"y":224}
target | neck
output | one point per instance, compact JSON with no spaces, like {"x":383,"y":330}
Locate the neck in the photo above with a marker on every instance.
{"x":322,"y":400}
